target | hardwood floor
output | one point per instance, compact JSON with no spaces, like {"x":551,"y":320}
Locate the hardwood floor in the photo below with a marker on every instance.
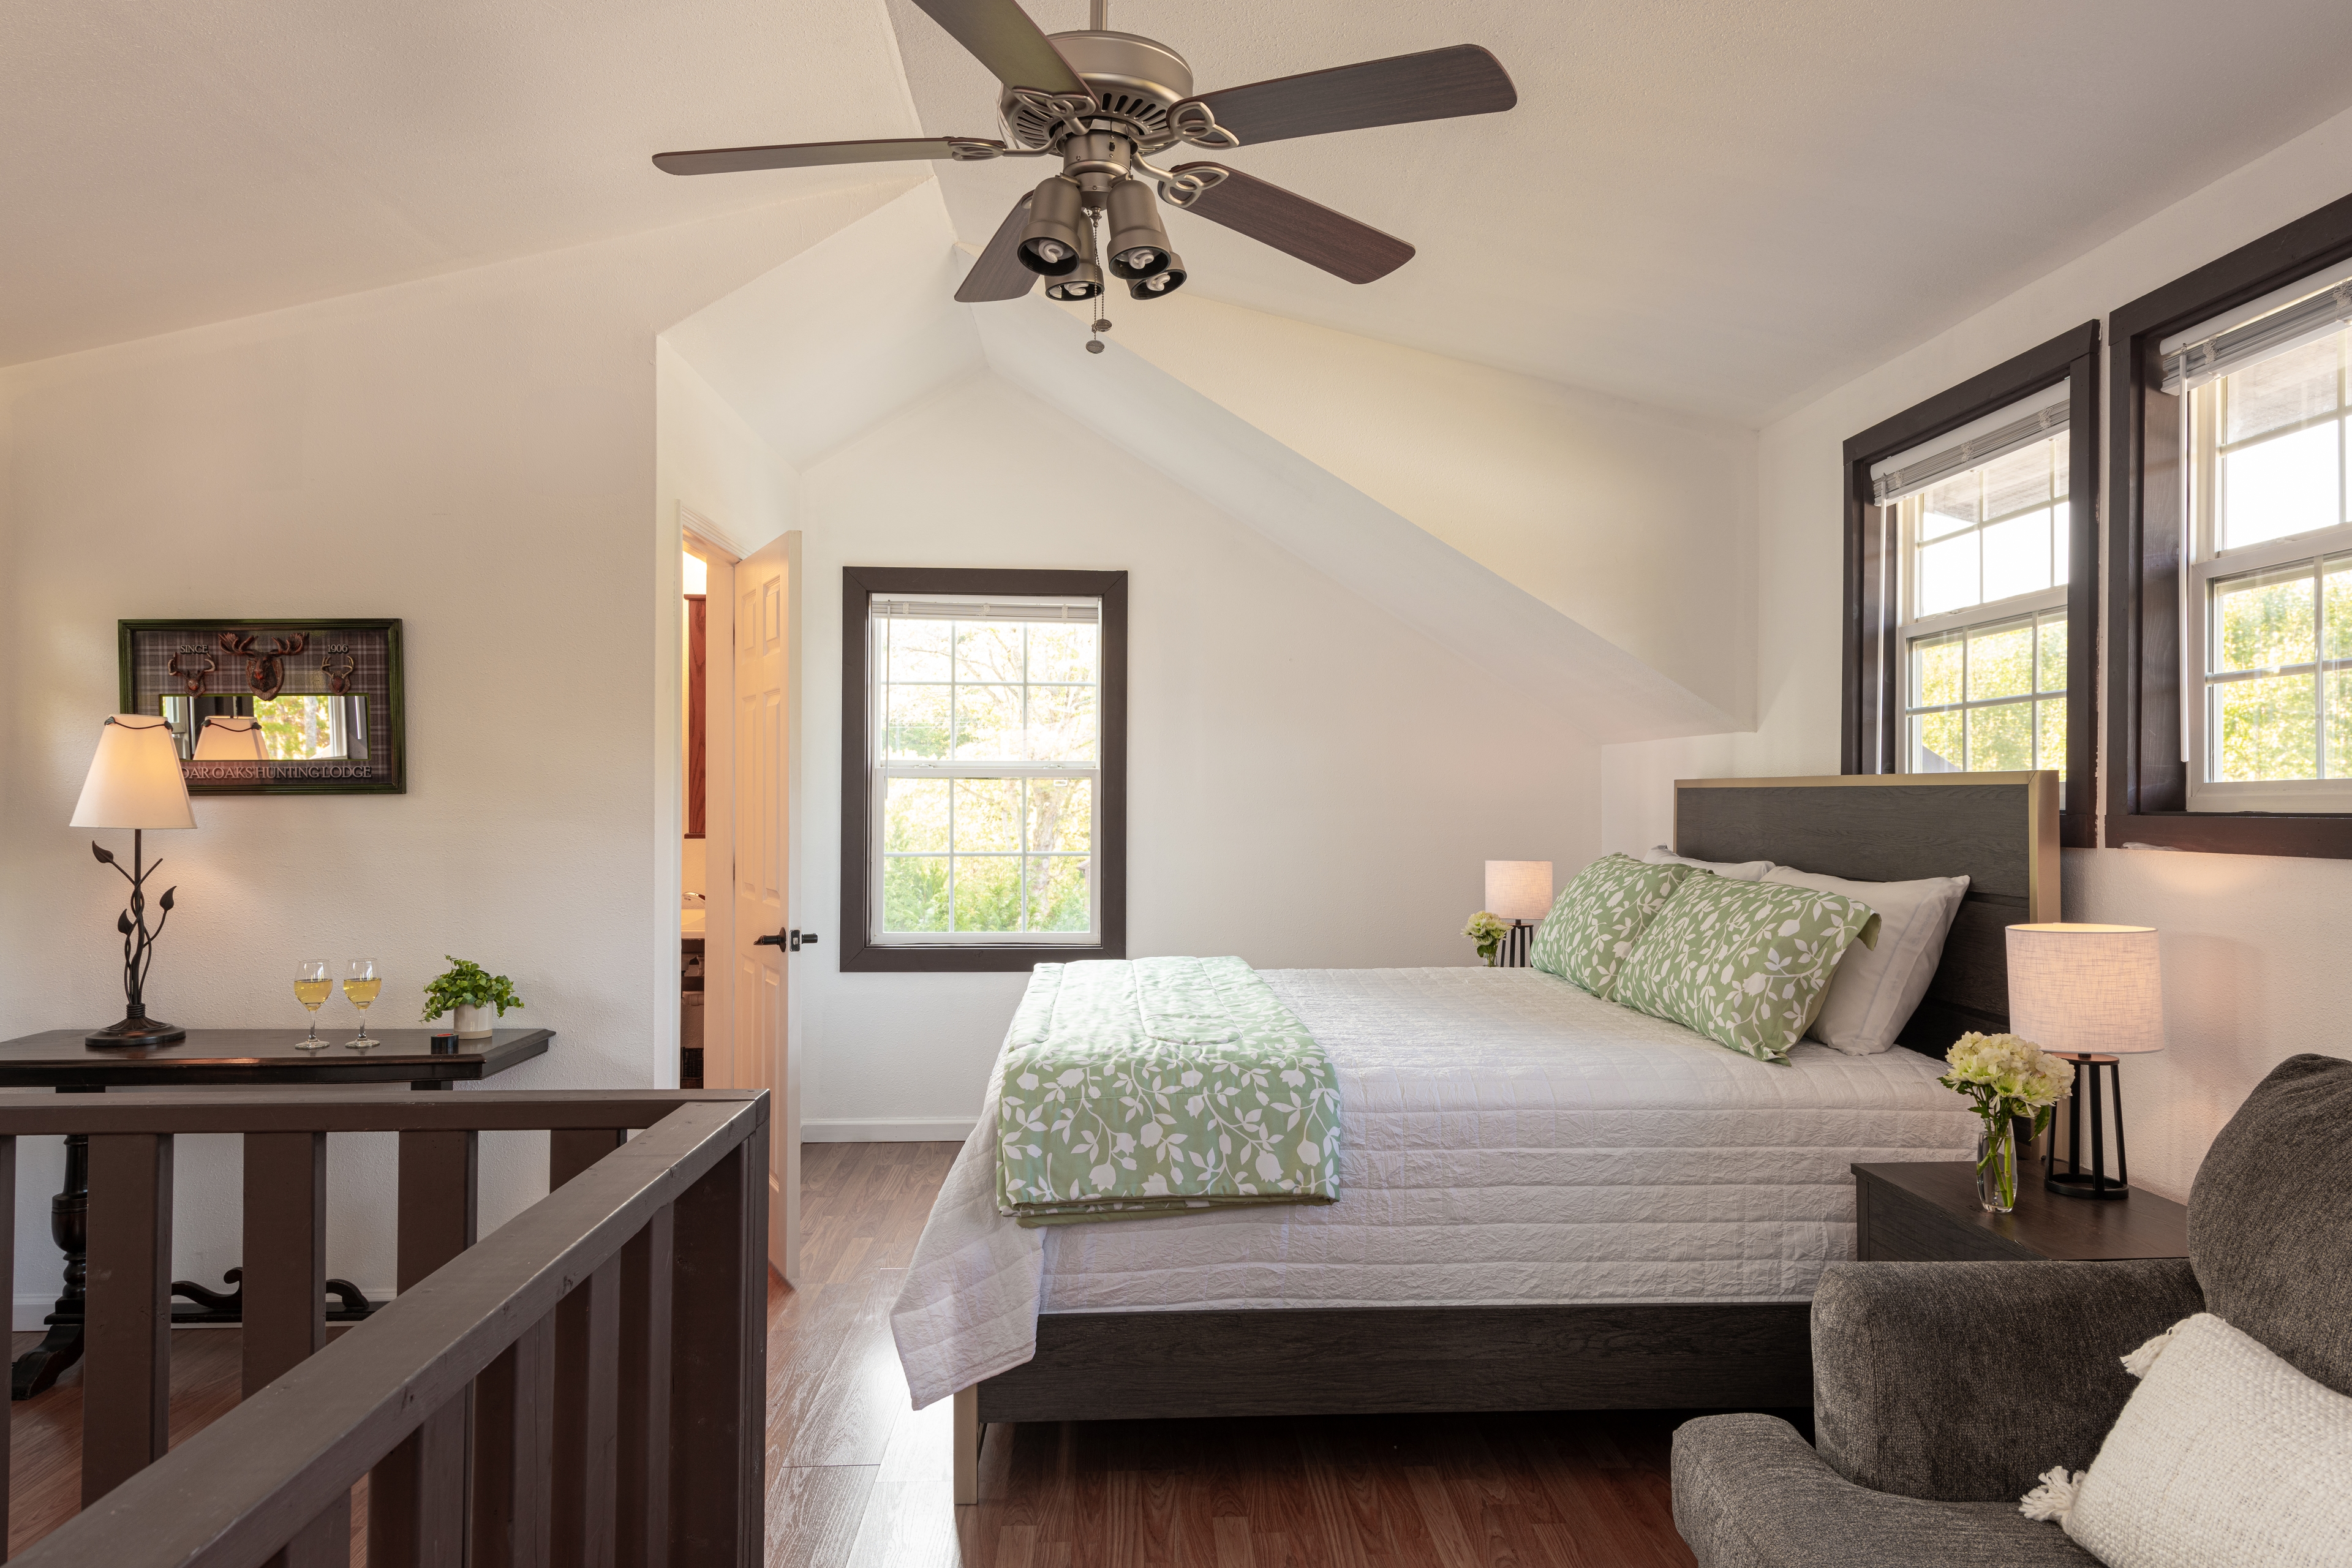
{"x":856,"y":1478}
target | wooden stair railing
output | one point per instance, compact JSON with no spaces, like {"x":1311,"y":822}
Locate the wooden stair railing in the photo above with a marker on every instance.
{"x":587,"y":1387}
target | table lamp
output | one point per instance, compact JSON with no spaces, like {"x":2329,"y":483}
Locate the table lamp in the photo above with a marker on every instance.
{"x":134,"y":782}
{"x":2091,"y":994}
{"x":1520,"y":892}
{"x":229,"y":738}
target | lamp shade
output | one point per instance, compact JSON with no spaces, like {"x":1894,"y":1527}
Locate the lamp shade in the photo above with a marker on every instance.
{"x":1518,"y":889}
{"x":2091,"y":990}
{"x":228,"y":738}
{"x":134,"y":780}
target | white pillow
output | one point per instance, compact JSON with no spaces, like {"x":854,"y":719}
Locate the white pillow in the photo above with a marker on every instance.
{"x":2224,"y":1455}
{"x":1729,"y":871}
{"x":1871,"y":996}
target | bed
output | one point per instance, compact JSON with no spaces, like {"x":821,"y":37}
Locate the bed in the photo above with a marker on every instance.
{"x":1549,"y":1202}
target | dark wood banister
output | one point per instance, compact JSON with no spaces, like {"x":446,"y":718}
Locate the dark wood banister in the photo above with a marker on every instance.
{"x":256,"y":1486}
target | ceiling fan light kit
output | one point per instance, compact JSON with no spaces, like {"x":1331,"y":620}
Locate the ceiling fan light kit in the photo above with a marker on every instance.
{"x":1104,"y":102}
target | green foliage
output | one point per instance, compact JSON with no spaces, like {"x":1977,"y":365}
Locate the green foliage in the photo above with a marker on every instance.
{"x":467,"y":985}
{"x":1488,"y":930}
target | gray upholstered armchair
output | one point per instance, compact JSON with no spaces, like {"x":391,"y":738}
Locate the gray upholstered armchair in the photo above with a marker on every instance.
{"x":1941,"y":1390}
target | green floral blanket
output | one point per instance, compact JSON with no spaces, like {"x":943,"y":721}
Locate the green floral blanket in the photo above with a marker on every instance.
{"x":1158,"y":1086}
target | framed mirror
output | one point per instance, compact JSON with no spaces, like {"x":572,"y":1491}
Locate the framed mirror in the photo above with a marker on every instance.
{"x":273,"y":706}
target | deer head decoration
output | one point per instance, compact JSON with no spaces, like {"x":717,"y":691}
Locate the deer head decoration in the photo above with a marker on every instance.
{"x":265,"y":668}
{"x":198,"y":664}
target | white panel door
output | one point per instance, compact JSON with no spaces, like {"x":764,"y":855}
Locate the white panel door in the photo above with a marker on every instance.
{"x":762,"y":870}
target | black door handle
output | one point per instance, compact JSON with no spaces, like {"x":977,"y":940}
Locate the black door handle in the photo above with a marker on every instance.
{"x":789,"y":941}
{"x":775,"y":940}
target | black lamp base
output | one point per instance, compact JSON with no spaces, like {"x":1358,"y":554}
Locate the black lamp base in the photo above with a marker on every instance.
{"x":137,"y":1029}
{"x":2071,"y":1177}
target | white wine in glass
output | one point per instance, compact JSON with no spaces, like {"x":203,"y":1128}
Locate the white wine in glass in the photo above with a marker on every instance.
{"x":362,"y":984}
{"x":313,"y":984}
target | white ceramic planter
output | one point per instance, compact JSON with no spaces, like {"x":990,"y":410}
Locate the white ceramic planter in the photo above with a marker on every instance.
{"x":474,"y":1023}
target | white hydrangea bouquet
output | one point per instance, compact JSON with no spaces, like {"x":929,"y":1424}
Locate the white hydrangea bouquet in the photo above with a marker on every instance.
{"x":1489,"y":931}
{"x":2008,"y":1078}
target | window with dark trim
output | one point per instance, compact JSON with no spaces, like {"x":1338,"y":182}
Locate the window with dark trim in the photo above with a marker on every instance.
{"x":2168,"y":567}
{"x":1994,"y":669}
{"x":983,"y":757}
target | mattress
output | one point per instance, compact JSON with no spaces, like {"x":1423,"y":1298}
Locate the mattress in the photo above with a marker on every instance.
{"x":1507,"y":1140}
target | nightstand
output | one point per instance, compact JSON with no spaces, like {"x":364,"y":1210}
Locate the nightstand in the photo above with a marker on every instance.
{"x":1927,"y":1212}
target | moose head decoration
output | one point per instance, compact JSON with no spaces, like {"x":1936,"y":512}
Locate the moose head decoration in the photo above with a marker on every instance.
{"x":265,"y":667}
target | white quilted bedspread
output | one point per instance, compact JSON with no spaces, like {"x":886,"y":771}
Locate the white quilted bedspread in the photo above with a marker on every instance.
{"x":1508,"y":1138}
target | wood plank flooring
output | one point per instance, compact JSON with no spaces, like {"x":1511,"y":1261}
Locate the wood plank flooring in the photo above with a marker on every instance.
{"x":856,"y":1478}
{"x":1570,"y":1491}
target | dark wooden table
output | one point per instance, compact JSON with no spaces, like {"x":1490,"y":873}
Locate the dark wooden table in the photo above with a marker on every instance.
{"x":57,"y":1059}
{"x":1927,"y":1212}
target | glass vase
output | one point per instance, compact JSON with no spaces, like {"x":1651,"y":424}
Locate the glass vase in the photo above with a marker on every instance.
{"x":1996,"y":1166}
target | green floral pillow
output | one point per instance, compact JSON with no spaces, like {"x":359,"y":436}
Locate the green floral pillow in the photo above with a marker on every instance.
{"x":1744,"y":963}
{"x":1599,"y":917}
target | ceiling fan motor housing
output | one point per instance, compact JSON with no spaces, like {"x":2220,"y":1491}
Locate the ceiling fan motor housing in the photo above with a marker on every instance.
{"x":1135,"y":78}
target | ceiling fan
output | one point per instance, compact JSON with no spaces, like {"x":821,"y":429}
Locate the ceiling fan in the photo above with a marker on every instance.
{"x":1102,"y":102}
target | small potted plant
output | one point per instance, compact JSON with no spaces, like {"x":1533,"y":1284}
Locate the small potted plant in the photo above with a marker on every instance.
{"x":470,"y":991}
{"x":1489,"y":931}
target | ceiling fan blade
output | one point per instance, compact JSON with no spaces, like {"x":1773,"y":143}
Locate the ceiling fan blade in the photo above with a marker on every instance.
{"x":1437,"y":84}
{"x":1001,"y":35}
{"x":998,"y":274}
{"x":1314,"y":234}
{"x":809,"y":154}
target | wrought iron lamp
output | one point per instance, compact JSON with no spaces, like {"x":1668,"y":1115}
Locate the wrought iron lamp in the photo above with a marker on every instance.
{"x":135,"y":783}
{"x":1520,"y":892}
{"x":2092,"y":994}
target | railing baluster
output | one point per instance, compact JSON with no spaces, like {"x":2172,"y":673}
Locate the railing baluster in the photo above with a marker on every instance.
{"x":127,"y":1372}
{"x":514,"y":1441}
{"x":324,"y":1542}
{"x":719,"y":1362}
{"x":646,"y":1266}
{"x":285,"y":1281}
{"x":587,"y":1443}
{"x":416,"y":1496}
{"x":571,"y":1149}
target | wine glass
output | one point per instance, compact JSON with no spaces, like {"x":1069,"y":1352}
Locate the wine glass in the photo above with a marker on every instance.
{"x":362,"y":981}
{"x":312,"y":985}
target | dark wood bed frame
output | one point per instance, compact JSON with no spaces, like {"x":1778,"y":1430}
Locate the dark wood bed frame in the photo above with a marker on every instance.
{"x":2001,"y":830}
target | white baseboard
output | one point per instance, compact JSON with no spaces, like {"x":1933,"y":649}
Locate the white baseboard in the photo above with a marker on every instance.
{"x":906,"y":1129}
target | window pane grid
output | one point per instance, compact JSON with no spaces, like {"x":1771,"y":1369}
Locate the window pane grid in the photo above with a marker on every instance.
{"x":1991,"y":533}
{"x":1994,"y":697}
{"x":2270,"y":697}
{"x":987,"y":763}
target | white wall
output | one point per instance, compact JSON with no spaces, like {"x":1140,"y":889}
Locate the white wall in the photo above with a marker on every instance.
{"x":475,"y":454}
{"x":2253,"y":974}
{"x":1311,"y":783}
{"x":1637,"y":523}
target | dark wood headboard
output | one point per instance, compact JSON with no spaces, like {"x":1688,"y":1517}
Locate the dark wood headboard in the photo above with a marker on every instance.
{"x":1999,"y":830}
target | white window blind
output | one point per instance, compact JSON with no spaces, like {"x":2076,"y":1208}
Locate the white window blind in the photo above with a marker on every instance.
{"x":2304,"y":312}
{"x":1075,"y":611}
{"x":2006,"y":430}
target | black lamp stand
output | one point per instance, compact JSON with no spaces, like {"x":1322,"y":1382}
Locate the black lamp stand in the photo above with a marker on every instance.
{"x":138,"y":955}
{"x":2073,"y":1181}
{"x":1515,"y":945}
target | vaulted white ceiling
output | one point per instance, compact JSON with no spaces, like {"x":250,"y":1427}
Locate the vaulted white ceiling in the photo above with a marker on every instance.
{"x":1716,"y":207}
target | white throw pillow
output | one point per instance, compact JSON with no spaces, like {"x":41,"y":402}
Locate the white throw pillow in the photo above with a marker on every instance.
{"x":1871,"y":996}
{"x":2224,"y":1455}
{"x":1729,"y":871}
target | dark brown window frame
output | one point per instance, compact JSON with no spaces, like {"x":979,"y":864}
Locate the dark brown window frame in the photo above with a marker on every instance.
{"x":859,"y":952}
{"x":1870,"y":723}
{"x":2147,"y":784}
